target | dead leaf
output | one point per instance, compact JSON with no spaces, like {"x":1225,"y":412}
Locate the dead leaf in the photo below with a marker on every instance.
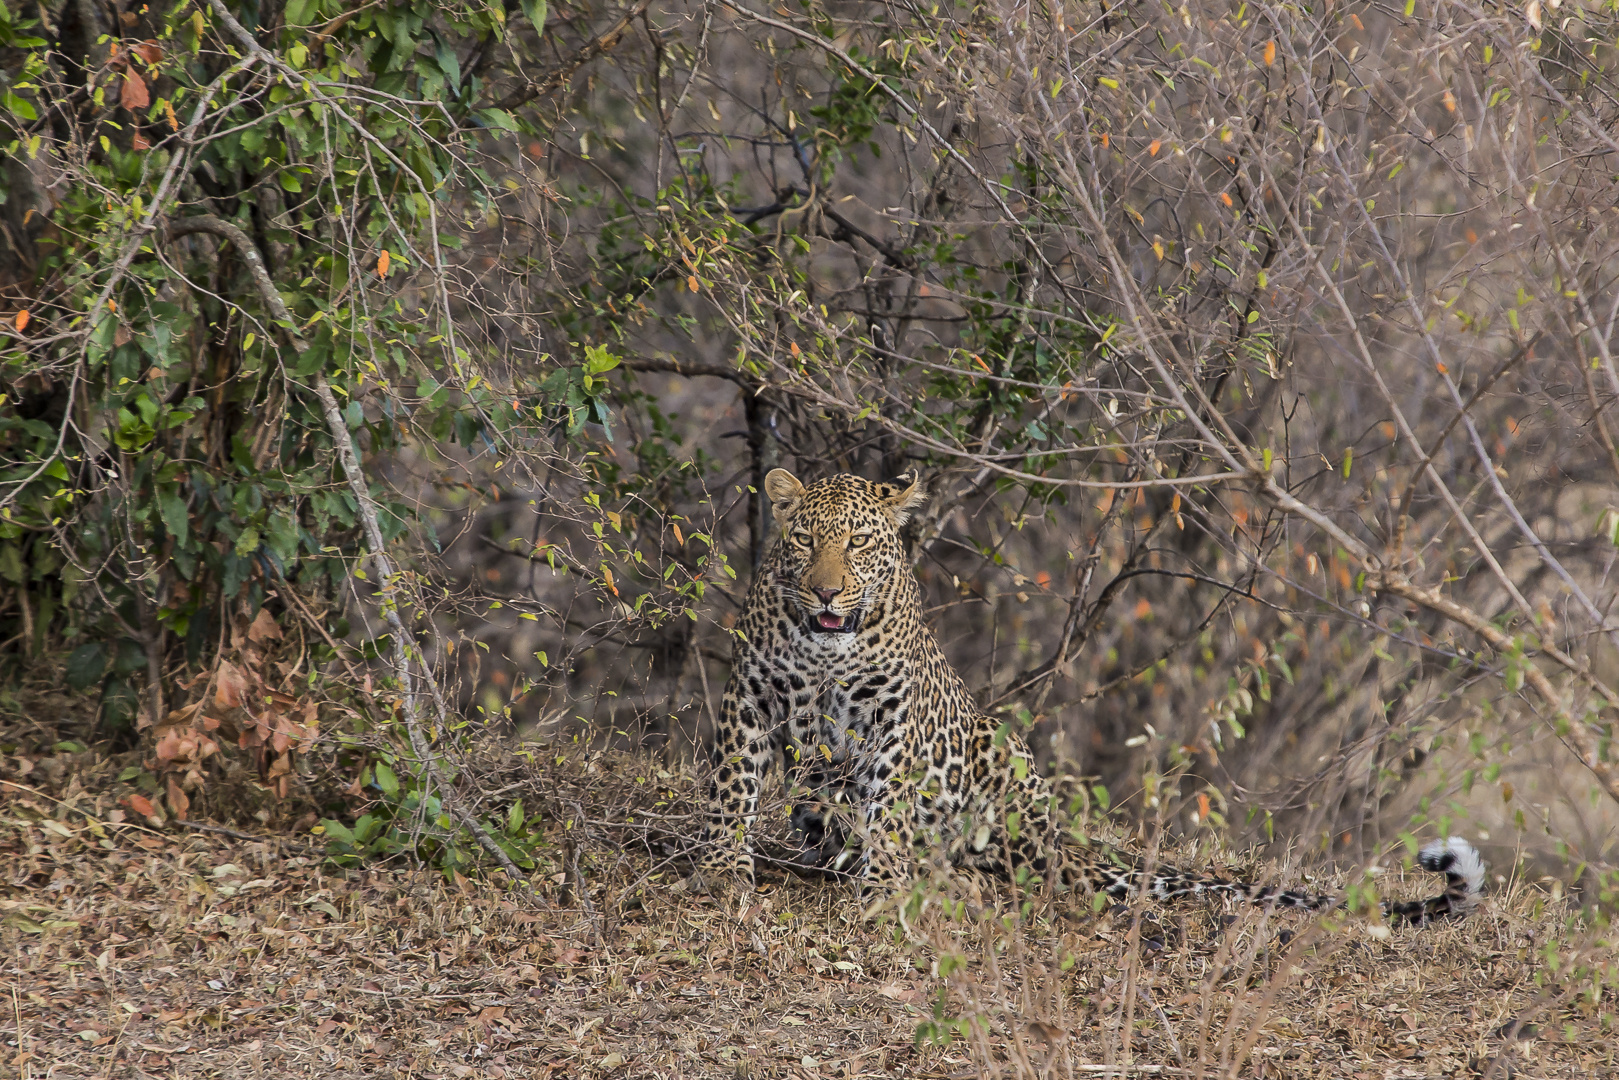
{"x":231,"y":687}
{"x":264,"y":628}
{"x":896,"y":991}
{"x":150,"y":51}
{"x":20,"y":320}
{"x":179,"y":802}
{"x":134,"y":94}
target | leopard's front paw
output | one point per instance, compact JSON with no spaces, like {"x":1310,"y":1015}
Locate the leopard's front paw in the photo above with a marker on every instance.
{"x":717,"y":869}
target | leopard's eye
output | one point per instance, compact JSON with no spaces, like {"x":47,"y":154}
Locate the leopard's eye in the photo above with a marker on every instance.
{"x":801,"y":538}
{"x":859,"y":540}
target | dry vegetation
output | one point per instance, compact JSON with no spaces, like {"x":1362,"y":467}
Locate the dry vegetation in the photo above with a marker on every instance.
{"x":1263,"y":360}
{"x":133,"y":951}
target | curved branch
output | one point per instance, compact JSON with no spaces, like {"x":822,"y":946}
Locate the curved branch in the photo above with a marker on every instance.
{"x":404,"y":663}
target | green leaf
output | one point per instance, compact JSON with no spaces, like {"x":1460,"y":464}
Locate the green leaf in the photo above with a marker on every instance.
{"x":535,"y":10}
{"x":248,"y":542}
{"x":86,"y":665}
{"x":11,"y":564}
{"x":300,"y":12}
{"x":599,"y":358}
{"x":498,"y":118}
{"x":283,"y":535}
{"x":386,"y":780}
{"x":172,"y":506}
{"x":130,"y":657}
{"x":338,"y":831}
{"x":448,"y":63}
{"x":21,"y":108}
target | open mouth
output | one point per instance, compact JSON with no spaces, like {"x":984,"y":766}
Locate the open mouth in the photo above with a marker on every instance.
{"x":829,"y":622}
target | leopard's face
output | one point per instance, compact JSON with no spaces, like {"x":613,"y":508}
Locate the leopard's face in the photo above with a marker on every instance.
{"x":840,"y":545}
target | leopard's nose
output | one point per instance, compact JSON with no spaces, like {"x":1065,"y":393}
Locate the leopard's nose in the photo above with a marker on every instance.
{"x":826,"y":595}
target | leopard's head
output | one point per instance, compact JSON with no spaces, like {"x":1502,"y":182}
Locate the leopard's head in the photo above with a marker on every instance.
{"x":840,"y":544}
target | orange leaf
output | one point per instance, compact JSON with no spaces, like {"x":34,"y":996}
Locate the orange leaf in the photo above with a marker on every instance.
{"x":1202,"y":805}
{"x":1104,"y":139}
{"x":691,"y":282}
{"x":20,"y":321}
{"x":1450,"y":102}
{"x":1270,"y":53}
{"x":231,"y":687}
{"x":1152,"y":148}
{"x":168,"y":747}
{"x":140,"y":142}
{"x":1143,"y":609}
{"x":382,"y":263}
{"x":134,"y":94}
{"x":150,"y":51}
{"x":1441,"y":368}
{"x":178,"y":801}
{"x":141,"y":805}
{"x":1225,"y":197}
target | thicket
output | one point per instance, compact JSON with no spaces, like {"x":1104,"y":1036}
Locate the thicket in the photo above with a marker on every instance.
{"x":382,"y":377}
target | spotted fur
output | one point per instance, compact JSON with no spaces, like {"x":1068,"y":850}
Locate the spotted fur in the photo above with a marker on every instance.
{"x":835,"y":666}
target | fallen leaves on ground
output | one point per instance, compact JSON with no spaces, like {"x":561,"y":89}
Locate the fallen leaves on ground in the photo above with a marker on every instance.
{"x":134,"y":952}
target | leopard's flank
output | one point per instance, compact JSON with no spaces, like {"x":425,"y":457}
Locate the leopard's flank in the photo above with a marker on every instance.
{"x":835,"y":666}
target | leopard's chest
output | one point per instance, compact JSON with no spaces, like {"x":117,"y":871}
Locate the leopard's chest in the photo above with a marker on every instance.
{"x":838,"y":697}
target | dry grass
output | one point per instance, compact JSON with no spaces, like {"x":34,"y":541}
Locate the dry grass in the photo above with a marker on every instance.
{"x":130,"y":952}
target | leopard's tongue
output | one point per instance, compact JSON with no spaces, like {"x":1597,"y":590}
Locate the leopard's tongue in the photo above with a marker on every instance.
{"x":828,"y":621}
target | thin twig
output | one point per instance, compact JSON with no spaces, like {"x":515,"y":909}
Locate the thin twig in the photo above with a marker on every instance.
{"x":406,"y":666}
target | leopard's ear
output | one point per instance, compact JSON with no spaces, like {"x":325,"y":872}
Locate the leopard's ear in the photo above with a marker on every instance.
{"x":784,"y":492}
{"x":904,"y":495}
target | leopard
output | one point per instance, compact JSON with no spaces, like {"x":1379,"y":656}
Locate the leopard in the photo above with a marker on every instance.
{"x":836,"y":675}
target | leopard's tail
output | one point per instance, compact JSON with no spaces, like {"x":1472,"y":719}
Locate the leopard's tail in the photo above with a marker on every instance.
{"x":1459,"y":861}
{"x":1453,"y":857}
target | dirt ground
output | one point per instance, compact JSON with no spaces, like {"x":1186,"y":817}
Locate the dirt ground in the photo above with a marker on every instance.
{"x":133,"y":952}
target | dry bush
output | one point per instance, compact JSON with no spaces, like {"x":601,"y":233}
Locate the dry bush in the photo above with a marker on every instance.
{"x":1258,"y":355}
